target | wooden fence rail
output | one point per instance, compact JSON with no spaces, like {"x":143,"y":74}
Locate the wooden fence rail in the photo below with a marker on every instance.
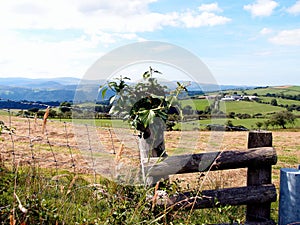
{"x":257,"y":195}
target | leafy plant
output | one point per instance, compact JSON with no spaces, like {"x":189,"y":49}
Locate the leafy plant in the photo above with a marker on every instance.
{"x":141,"y":103}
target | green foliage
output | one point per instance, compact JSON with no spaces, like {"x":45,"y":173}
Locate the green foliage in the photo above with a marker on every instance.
{"x":274,"y":102}
{"x":141,"y":103}
{"x":259,"y":124}
{"x":282,"y":118}
{"x":70,"y":199}
{"x":65,"y":107}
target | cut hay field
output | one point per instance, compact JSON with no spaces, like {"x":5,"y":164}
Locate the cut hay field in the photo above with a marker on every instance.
{"x":64,"y":149}
{"x":61,"y":140}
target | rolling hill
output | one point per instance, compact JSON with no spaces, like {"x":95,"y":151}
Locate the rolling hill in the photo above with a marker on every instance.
{"x":66,"y":88}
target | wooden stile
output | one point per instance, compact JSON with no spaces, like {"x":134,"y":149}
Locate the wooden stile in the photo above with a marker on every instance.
{"x":257,"y":195}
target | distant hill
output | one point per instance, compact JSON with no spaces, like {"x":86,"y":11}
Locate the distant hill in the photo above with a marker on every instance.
{"x":29,"y":83}
{"x":65,"y":88}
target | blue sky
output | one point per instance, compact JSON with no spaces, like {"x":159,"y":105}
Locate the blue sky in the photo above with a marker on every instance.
{"x":251,"y":42}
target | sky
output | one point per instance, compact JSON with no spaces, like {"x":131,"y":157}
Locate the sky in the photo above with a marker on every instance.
{"x":248,"y":42}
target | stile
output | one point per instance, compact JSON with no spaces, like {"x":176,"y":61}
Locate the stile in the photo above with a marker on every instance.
{"x":257,"y":195}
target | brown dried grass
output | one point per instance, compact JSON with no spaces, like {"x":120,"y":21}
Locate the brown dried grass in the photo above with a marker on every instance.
{"x":287,"y":145}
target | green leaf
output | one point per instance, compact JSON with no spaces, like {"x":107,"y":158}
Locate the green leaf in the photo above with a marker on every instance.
{"x":146,"y":75}
{"x":103,"y":92}
{"x":156,"y":71}
{"x":163,"y":115}
{"x":146,"y":117}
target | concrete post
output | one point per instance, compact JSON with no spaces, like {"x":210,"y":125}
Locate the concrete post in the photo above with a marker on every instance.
{"x":289,"y":199}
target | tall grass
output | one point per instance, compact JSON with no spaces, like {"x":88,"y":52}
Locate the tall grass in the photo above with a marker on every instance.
{"x":68,"y":198}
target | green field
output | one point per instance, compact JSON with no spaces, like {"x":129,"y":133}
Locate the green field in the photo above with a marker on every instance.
{"x":190,"y":125}
{"x":280,"y":101}
{"x":249,"y":107}
{"x":196,"y":104}
{"x":286,"y":90}
{"x":248,"y":123}
{"x":235,"y":106}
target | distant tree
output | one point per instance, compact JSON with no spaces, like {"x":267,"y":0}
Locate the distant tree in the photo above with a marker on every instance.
{"x":243,"y":116}
{"x":40,"y":113}
{"x":258,"y":115}
{"x":33,"y":110}
{"x":229,"y":123}
{"x":231,"y":115}
{"x":247,"y":99}
{"x":65,"y":107}
{"x":267,"y":123}
{"x":274,"y":102}
{"x":52,"y":113}
{"x":259,"y":125}
{"x":200,"y":112}
{"x":283,"y":118}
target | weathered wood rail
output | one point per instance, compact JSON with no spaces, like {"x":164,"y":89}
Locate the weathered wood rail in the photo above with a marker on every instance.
{"x":257,"y":195}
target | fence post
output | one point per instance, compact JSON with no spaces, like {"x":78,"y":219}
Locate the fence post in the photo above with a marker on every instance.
{"x":289,"y":198}
{"x":259,"y":175}
{"x":152,"y":144}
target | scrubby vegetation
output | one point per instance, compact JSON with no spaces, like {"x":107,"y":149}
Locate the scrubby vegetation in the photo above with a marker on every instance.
{"x":29,"y":196}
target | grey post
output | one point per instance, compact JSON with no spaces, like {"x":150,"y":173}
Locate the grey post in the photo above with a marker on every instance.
{"x":289,"y":198}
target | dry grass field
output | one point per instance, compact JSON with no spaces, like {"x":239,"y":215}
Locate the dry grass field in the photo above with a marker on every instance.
{"x":68,"y":158}
{"x":86,"y":149}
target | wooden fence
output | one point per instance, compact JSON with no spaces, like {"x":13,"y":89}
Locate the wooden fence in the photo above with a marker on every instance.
{"x":257,"y":195}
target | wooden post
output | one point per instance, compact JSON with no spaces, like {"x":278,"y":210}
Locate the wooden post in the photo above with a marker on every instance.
{"x":189,"y":163}
{"x":152,"y":144}
{"x":259,"y":175}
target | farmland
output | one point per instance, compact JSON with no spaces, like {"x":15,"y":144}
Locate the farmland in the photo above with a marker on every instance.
{"x":64,"y":175}
{"x":74,"y":181}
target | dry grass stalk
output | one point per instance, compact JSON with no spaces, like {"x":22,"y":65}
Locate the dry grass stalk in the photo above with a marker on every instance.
{"x":12,"y":221}
{"x":119,"y":154}
{"x":72,"y":184}
{"x":45,"y":119}
{"x":155,"y":196}
{"x":35,"y":121}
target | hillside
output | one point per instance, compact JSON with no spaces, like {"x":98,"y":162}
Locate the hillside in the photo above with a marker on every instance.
{"x":65,"y":88}
{"x":278,"y":90}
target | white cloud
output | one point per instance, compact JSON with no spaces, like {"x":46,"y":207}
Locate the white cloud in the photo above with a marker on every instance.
{"x":261,"y":7}
{"x":287,"y":37}
{"x":213,"y":7}
{"x":98,"y":23}
{"x":35,"y":57}
{"x":205,"y":16}
{"x":265,"y":31}
{"x":294,"y":9}
{"x":191,"y":19}
{"x":94,"y":15}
